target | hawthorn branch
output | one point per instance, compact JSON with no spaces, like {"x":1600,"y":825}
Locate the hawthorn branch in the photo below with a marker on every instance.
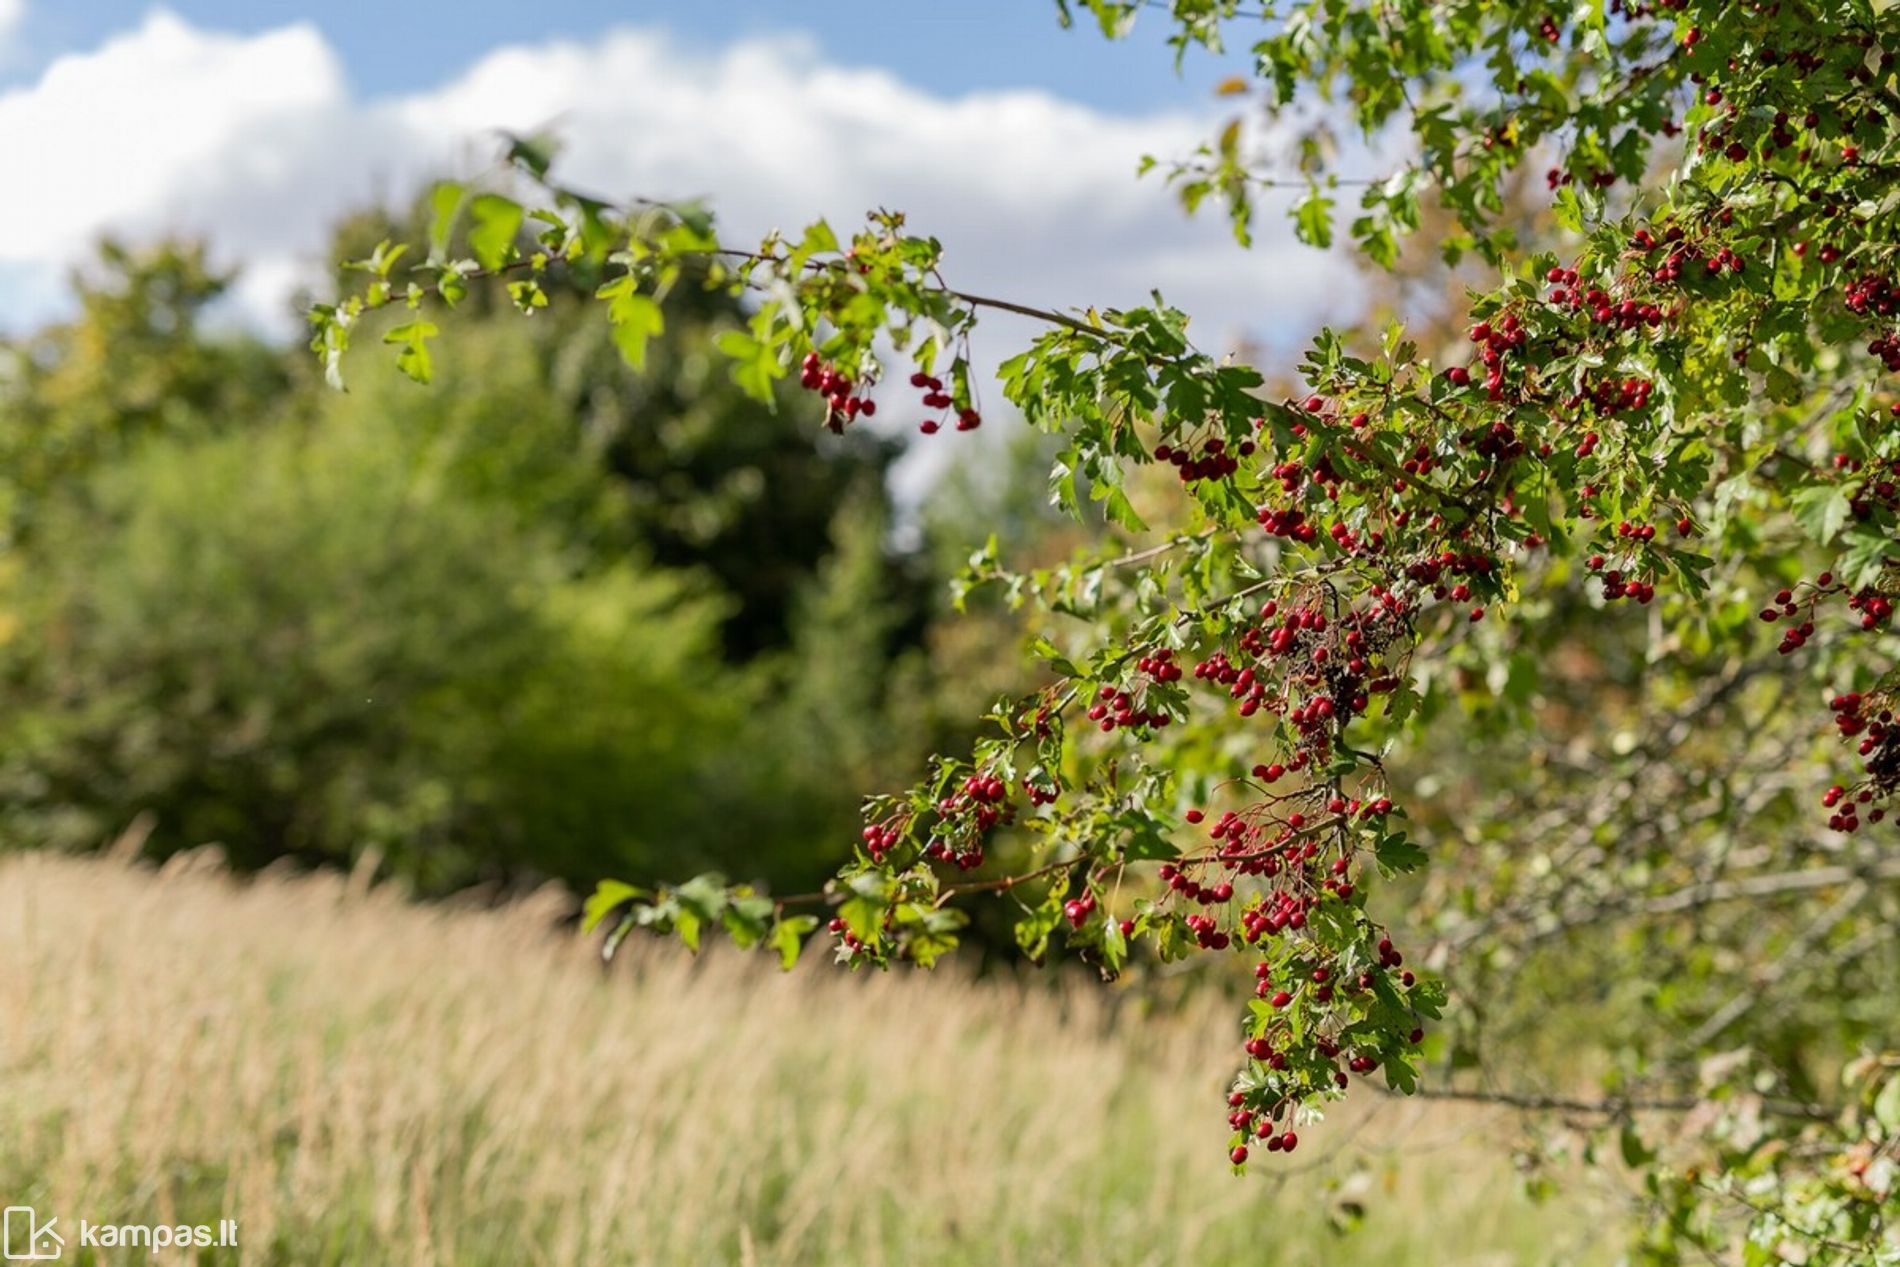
{"x":1154,"y":552}
{"x":1677,"y":901}
{"x":1611,"y":1106}
{"x":1746,"y":999}
{"x":1046,"y":315}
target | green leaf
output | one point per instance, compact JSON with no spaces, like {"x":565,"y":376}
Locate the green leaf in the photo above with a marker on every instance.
{"x":636,"y":318}
{"x":1036,"y":923}
{"x":1313,"y":218}
{"x":445,"y":205}
{"x":863,"y":915}
{"x":1396,"y":855}
{"x":819,"y":239}
{"x":1121,"y":511}
{"x":492,"y":235}
{"x":788,"y":938}
{"x":1887,"y":1107}
{"x":1821,"y":510}
{"x":1635,"y":1152}
{"x":755,"y":365}
{"x":747,"y":919}
{"x":534,"y":153}
{"x":1146,"y":841}
{"x":608,"y":896}
{"x":414,"y":359}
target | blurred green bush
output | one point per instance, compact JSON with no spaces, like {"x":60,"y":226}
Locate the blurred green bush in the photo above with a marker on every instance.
{"x":302,"y":641}
{"x":482,"y":630}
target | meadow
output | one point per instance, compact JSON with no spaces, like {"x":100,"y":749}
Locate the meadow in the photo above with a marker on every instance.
{"x":359,"y":1079}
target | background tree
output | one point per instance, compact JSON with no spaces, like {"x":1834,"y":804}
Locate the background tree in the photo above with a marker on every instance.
{"x":483,"y":632}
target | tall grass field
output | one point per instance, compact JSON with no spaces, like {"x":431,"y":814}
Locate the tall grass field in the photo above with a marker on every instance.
{"x":361,"y":1080}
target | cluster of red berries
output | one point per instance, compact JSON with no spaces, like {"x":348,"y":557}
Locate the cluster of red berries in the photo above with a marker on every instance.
{"x":1041,"y":793}
{"x":1190,"y":890}
{"x":1273,"y":1080}
{"x":1207,"y":932}
{"x":1432,"y":569}
{"x":1244,"y":684}
{"x":1498,"y":441}
{"x":1331,"y":663}
{"x":1800,"y":622}
{"x":1291,"y":523}
{"x":1274,"y":912}
{"x":1298,"y":1046}
{"x":1115,"y":709}
{"x":1872,"y":295}
{"x":1556,"y":177}
{"x":965,"y":859}
{"x":1874,"y":609}
{"x":1725,"y":260}
{"x":1292,"y":474}
{"x":935,"y":397}
{"x":1311,"y":718}
{"x":1078,"y":909}
{"x":1160,"y":665}
{"x":1617,"y":585}
{"x":843,"y":403}
{"x":1615,"y":395}
{"x":1778,"y":136}
{"x":1262,"y":1126}
{"x":966,"y":816}
{"x":1214,"y":462}
{"x":1631,"y":530}
{"x":1604,"y":308}
{"x":1868,"y":724}
{"x":1887,"y":348}
{"x":1875,"y":487}
{"x":1497,"y":341}
{"x":880,"y":838}
{"x":841,"y":930}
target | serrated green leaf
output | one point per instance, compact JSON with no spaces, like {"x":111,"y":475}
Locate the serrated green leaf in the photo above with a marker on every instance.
{"x":494,"y":221}
{"x":445,"y":207}
{"x":608,"y":896}
{"x":788,"y":938}
{"x":1821,"y":510}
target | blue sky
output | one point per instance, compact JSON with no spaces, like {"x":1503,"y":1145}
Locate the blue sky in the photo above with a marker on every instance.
{"x":947,"y":48}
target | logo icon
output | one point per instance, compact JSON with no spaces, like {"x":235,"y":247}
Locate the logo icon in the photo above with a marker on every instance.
{"x":24,"y":1239}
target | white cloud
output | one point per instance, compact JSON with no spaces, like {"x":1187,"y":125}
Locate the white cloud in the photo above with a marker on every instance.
{"x":257,"y":142}
{"x":134,"y":135}
{"x":1034,"y":197}
{"x":11,"y":14}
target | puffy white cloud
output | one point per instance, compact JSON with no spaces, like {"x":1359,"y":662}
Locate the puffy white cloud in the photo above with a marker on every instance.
{"x":162,"y":129}
{"x":1035,"y":197}
{"x":258,"y":141}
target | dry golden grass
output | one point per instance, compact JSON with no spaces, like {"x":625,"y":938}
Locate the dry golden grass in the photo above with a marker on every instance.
{"x":361,"y":1080}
